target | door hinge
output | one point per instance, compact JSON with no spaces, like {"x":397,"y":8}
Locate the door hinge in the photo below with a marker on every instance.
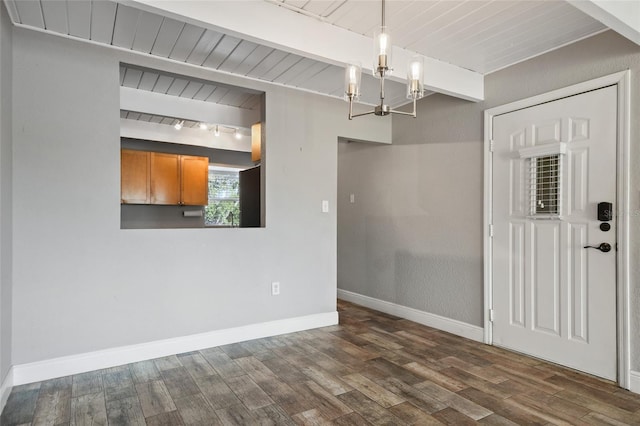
{"x":491,"y":315}
{"x":490,"y":230}
{"x":491,"y":145}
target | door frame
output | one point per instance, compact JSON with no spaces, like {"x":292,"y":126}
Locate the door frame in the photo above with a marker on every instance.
{"x":622,"y":81}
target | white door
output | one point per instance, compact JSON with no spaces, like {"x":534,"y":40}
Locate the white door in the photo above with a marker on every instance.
{"x":552,"y":297}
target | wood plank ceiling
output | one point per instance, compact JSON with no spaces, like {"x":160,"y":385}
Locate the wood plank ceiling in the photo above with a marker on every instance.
{"x":483,"y":36}
{"x":188,"y":88}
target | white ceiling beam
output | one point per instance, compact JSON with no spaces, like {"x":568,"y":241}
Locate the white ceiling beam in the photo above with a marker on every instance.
{"x":164,"y":133}
{"x":622,"y":16}
{"x":279,"y":28}
{"x":186,"y":109}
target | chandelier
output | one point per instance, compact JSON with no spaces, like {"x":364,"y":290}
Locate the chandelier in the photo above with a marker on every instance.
{"x":382,"y":50}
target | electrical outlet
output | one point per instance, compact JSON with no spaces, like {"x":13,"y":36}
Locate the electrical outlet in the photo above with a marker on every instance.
{"x":275,"y":288}
{"x":325,"y":206}
{"x":352,"y":198}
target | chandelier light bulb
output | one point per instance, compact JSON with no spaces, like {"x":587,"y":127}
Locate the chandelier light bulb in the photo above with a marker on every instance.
{"x":352,"y":81}
{"x":382,"y":53}
{"x":384,"y":41}
{"x":415,"y":71}
{"x":415,"y":78}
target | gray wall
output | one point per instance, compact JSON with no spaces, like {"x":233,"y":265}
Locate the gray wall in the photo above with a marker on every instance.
{"x":83,"y":284}
{"x":411,"y":236}
{"x":414,"y":235}
{"x":5,"y":192}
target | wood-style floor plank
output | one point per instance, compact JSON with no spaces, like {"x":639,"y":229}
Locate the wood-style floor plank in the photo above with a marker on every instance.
{"x":125,"y":412}
{"x":20,"y":407}
{"x":53,"y":408}
{"x":144,"y":371}
{"x":371,"y":369}
{"x":86,"y":383}
{"x":196,"y":365}
{"x":195,"y":410}
{"x":154,"y":398}
{"x":251,"y":395}
{"x":89,"y":409}
{"x":171,"y":418}
{"x":217,"y":392}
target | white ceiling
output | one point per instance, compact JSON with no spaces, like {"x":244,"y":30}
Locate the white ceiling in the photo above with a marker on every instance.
{"x":462,"y":39}
{"x":189,"y":88}
{"x":479,"y":35}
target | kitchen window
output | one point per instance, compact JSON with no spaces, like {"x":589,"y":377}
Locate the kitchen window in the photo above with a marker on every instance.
{"x":224,"y":200}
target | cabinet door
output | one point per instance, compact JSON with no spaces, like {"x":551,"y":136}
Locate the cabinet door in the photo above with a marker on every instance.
{"x":195,"y":180}
{"x":134,"y":177}
{"x":165,"y":179}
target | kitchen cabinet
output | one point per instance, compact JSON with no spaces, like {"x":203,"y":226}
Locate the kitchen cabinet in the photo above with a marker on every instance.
{"x":194,"y":178}
{"x":164,"y":179}
{"x":134,"y":177}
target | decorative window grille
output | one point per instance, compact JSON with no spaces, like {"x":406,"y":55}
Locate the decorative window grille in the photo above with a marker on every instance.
{"x":544,"y":186}
{"x":544,"y":180}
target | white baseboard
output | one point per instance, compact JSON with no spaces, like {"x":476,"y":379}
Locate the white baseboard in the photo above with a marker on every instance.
{"x":634,"y":381}
{"x":5,"y":389}
{"x":74,"y":364}
{"x":449,"y":325}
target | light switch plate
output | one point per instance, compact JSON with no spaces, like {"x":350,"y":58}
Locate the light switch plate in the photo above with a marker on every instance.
{"x":325,"y":206}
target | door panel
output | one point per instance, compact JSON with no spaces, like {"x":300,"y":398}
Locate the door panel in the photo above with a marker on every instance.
{"x":553,"y":298}
{"x":517,"y":283}
{"x":546,"y":277}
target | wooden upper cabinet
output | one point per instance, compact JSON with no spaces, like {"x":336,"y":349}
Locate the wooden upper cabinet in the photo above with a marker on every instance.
{"x":195,"y":180}
{"x":134,"y":177}
{"x":165,"y":178}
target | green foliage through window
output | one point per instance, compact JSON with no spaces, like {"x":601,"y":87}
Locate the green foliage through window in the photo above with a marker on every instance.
{"x":224,"y":204}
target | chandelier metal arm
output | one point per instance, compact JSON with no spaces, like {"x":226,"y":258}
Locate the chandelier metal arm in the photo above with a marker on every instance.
{"x":381,"y":110}
{"x":352,"y":116}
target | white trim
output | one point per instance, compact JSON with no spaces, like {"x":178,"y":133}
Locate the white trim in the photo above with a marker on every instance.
{"x":5,"y":389}
{"x":543,"y":150}
{"x":74,"y":364}
{"x":487,"y":228}
{"x":624,"y":231}
{"x":449,"y":325}
{"x":634,"y":381}
{"x":622,"y":17}
{"x":621,"y":80}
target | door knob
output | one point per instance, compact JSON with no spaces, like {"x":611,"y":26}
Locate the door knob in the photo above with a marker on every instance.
{"x":604,"y":247}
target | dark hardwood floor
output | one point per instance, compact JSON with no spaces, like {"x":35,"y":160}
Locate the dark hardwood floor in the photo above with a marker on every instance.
{"x":371,"y":369}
